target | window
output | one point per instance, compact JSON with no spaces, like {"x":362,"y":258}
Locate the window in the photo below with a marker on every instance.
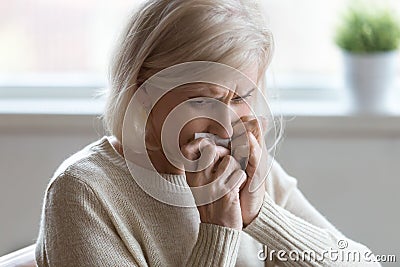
{"x":303,"y":33}
{"x":67,"y":44}
{"x":47,"y":43}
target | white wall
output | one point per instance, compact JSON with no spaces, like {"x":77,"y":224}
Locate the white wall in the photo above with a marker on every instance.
{"x":354,"y":182}
{"x":32,"y":146}
{"x":348,"y":167}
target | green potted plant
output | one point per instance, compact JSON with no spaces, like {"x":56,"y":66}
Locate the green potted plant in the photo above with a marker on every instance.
{"x":369,"y":38}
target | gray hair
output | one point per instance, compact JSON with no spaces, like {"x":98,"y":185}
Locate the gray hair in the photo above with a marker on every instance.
{"x":163,"y":33}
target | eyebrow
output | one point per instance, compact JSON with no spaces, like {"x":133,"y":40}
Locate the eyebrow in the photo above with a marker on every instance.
{"x":221,"y":98}
{"x":204,"y":91}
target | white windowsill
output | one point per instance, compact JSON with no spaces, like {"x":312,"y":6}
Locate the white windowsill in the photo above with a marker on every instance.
{"x":316,"y":116}
{"x":309,"y":104}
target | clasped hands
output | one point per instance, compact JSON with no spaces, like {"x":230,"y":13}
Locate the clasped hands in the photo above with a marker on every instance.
{"x":243,"y":199}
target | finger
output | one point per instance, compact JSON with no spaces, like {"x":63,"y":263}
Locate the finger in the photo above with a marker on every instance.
{"x":240,"y":143}
{"x":256,"y":125}
{"x":220,"y":153}
{"x":206,"y":160}
{"x":241,"y":153}
{"x":256,"y":128}
{"x":227,"y":166}
{"x":239,"y":128}
{"x":247,"y":117}
{"x":254,"y":156}
{"x":192,"y":150}
{"x":257,"y":165}
{"x":262,"y":119}
{"x":199,"y":173}
{"x":236,"y":180}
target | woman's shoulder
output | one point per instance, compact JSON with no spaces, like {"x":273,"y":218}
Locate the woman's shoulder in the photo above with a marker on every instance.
{"x":94,"y":161}
{"x":279,"y":183}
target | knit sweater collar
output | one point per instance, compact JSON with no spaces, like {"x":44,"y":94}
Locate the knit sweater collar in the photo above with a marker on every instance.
{"x":108,"y":151}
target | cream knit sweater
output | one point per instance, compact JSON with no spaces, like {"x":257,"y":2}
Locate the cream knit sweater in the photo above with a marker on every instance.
{"x":94,"y":214}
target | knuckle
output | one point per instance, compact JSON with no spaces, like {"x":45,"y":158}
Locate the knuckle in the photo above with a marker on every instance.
{"x":225,"y":161}
{"x":232,"y":196}
{"x":184,"y":148}
{"x":240,"y":173}
{"x":253,"y":149}
{"x":212,"y":190}
{"x":224,"y":165}
{"x":205,"y":141}
{"x":186,"y":154}
{"x":234,"y":163}
{"x":209,"y":146}
{"x":234,"y":179}
{"x":228,"y":157}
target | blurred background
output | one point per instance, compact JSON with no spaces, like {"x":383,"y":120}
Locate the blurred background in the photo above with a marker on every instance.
{"x":343,"y":148}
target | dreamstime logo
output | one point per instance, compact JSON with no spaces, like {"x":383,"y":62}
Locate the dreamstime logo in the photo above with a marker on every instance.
{"x":341,"y":254}
{"x":342,"y":244}
{"x":154,"y":89}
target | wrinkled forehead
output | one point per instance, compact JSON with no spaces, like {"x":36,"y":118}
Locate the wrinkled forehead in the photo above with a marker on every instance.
{"x":217,"y":90}
{"x":212,"y":77}
{"x":222,"y":82}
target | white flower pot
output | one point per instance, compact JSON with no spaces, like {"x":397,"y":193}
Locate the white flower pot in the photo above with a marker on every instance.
{"x":369,"y":78}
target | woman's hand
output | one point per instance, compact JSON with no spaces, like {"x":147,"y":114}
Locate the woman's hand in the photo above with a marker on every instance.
{"x":226,"y":171}
{"x":253,"y":191}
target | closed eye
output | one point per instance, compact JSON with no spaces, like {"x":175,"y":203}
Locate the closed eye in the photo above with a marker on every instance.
{"x":199,"y":101}
{"x":241,"y":99}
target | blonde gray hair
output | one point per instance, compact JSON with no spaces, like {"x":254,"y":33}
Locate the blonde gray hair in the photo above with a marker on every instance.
{"x":163,"y":33}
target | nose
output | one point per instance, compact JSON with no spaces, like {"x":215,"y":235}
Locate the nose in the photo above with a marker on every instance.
{"x":221,"y":123}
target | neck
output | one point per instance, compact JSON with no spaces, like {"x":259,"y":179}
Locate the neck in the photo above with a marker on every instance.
{"x":157,"y":157}
{"x":161,"y":163}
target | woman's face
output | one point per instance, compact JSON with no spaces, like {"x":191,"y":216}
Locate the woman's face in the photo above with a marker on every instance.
{"x":223,"y":106}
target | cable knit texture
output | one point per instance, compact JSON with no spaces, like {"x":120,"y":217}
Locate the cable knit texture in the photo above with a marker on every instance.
{"x":95,"y":214}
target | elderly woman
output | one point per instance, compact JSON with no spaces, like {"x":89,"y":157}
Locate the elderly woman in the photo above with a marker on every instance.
{"x":177,"y":192}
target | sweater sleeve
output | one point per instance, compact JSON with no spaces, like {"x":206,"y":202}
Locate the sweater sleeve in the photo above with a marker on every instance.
{"x":76,"y":231}
{"x":215,"y":246}
{"x":297,"y":234}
